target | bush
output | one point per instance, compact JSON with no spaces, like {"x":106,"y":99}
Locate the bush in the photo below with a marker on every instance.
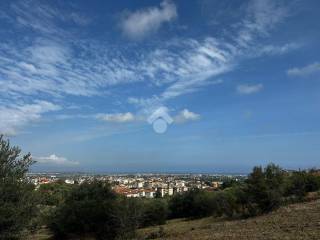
{"x":17,"y":204}
{"x":228,"y":183}
{"x":194,"y":203}
{"x":202,"y":204}
{"x":262,"y":192}
{"x":198,"y":203}
{"x":225,"y":203}
{"x":93,"y":208}
{"x":155,"y":212}
{"x":264,"y":189}
{"x":302,"y":182}
{"x":53,"y":194}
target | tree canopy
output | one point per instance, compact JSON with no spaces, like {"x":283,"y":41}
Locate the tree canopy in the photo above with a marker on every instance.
{"x":17,"y":204}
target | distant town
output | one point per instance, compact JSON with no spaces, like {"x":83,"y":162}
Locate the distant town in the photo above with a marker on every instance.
{"x":142,"y":185}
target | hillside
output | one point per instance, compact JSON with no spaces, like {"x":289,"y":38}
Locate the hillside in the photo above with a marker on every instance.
{"x":296,"y":221}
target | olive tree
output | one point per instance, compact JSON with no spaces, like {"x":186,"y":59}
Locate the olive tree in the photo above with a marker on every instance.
{"x":16,"y":195}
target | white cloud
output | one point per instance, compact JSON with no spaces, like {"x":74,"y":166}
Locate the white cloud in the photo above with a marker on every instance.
{"x":14,"y":117}
{"x":117,"y":117}
{"x":142,"y":22}
{"x":51,"y":66}
{"x":44,"y":18}
{"x":54,"y":64}
{"x":28,"y":67}
{"x":189,"y":65}
{"x":249,"y":89}
{"x":54,"y":159}
{"x":48,"y":52}
{"x":185,"y":116}
{"x":182,"y":116}
{"x":304,"y":71}
{"x":274,"y":50}
{"x":53,"y":69}
{"x":262,"y":16}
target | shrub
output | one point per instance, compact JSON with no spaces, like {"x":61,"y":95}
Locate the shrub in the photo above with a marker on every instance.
{"x":264,"y":189}
{"x":93,"y":208}
{"x":225,"y":203}
{"x":188,"y":204}
{"x":302,"y":182}
{"x":53,"y":194}
{"x":155,"y":212}
{"x":198,"y":203}
{"x":17,"y":205}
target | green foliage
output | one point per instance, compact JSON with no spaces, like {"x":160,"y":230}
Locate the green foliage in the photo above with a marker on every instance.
{"x":93,"y":208}
{"x":17,"y":204}
{"x":264,"y":189}
{"x":128,"y":216}
{"x":302,"y":182}
{"x":53,"y":194}
{"x":262,"y":192}
{"x":198,"y":203}
{"x":229,"y":183}
{"x":185,"y":204}
{"x":225,"y":203}
{"x":155,"y":212}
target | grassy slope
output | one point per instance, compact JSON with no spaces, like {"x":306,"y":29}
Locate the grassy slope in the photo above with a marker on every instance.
{"x":297,"y":221}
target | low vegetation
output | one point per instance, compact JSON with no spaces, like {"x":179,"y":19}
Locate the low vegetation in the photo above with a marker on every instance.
{"x":297,"y":221}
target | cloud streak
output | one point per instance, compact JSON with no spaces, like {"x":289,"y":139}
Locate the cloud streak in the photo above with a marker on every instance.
{"x":54,"y":159}
{"x":304,"y":71}
{"x":16,"y":116}
{"x":185,"y":116}
{"x":141,"y":23}
{"x":117,"y":117}
{"x":180,"y":117}
{"x":246,"y":89}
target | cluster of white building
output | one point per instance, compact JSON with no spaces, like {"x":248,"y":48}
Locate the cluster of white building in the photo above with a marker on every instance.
{"x":157,"y":186}
{"x":148,"y":186}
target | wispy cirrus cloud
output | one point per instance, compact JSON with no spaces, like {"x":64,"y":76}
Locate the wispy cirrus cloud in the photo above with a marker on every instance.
{"x":249,"y":88}
{"x":277,"y":50}
{"x":13,"y":117}
{"x":138,"y":24}
{"x":180,"y":117}
{"x":44,"y":18}
{"x":304,"y":71}
{"x":261,"y":17}
{"x":54,"y":159}
{"x":116,"y":117}
{"x":201,"y":62}
{"x":53,"y":64}
{"x":182,"y":66}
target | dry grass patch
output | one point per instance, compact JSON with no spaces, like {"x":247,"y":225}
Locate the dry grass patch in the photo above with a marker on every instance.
{"x":296,"y":221}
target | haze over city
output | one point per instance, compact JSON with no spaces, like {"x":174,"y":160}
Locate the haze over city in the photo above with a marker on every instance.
{"x":239,"y":80}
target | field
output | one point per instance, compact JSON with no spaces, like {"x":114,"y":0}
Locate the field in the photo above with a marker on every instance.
{"x":296,"y":221}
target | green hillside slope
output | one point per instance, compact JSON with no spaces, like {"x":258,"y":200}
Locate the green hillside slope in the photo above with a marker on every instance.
{"x":296,"y":221}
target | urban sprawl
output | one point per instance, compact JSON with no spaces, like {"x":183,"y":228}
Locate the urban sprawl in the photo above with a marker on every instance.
{"x":141,"y":185}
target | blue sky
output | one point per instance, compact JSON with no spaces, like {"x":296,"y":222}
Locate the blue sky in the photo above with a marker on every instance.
{"x":239,"y":79}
